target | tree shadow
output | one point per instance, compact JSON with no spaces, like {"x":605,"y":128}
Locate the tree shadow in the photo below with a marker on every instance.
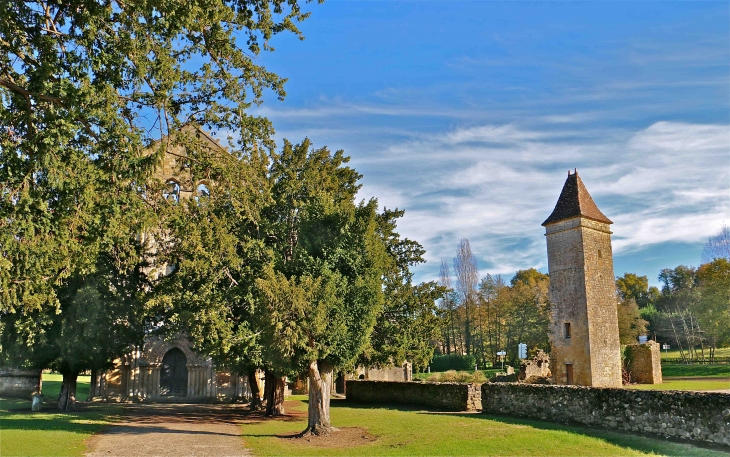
{"x":642,"y":442}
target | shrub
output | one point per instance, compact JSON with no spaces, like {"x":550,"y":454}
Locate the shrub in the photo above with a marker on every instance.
{"x":453,"y":362}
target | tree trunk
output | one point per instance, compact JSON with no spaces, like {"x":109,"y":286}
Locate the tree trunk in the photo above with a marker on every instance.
{"x":67,"y":397}
{"x":274,"y":394}
{"x":93,"y":385}
{"x":320,"y":384}
{"x":255,"y":392}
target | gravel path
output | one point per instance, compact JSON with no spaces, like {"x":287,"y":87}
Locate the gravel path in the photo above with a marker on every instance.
{"x":173,"y":430}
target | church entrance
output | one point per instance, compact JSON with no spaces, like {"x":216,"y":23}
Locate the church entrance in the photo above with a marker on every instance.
{"x":174,"y":374}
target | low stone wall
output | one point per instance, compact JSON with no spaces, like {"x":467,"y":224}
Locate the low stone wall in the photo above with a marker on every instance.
{"x":452,"y":396}
{"x":19,"y":383}
{"x":690,"y":415}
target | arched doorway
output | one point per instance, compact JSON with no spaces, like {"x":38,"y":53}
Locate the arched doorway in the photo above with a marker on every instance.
{"x":174,"y":374}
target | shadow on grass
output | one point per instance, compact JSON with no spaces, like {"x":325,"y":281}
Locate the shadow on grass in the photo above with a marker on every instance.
{"x":630,"y":440}
{"x":15,"y":414}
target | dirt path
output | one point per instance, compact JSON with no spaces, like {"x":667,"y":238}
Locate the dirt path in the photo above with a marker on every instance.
{"x":173,"y":430}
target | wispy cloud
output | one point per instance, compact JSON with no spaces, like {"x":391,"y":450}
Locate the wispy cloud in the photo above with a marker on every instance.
{"x":495,"y":184}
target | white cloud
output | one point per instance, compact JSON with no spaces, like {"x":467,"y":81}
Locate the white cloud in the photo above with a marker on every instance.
{"x":495,"y":184}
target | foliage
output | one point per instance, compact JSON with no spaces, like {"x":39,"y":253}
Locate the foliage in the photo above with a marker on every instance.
{"x":213,"y":246}
{"x":453,"y":362}
{"x":320,"y":299}
{"x":408,"y":324}
{"x":630,"y":323}
{"x":713,"y":307}
{"x":503,"y":316}
{"x":85,"y":90}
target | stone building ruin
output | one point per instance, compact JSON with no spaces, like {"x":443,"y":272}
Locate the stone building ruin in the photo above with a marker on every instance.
{"x":585,"y":347}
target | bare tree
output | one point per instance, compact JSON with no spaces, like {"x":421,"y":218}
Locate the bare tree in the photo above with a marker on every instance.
{"x":718,"y":246}
{"x":467,"y":276}
{"x":448,"y":307}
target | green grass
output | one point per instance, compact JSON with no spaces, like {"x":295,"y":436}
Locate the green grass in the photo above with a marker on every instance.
{"x":49,"y":432}
{"x":717,"y":371}
{"x":402,"y":431}
{"x":681,"y":384}
{"x":675,"y":354}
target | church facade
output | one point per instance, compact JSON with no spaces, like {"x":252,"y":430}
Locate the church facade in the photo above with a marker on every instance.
{"x":167,"y":371}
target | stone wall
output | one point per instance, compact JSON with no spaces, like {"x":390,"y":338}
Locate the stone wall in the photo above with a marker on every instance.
{"x":694,"y":416}
{"x":19,"y":383}
{"x":401,"y":373}
{"x":450,"y":396}
{"x":644,"y":362}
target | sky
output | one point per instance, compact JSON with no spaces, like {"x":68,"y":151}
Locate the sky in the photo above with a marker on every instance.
{"x":469,"y":115}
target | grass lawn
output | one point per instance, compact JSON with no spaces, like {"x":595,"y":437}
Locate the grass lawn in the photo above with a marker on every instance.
{"x":49,"y":432}
{"x":675,"y":354}
{"x":403,"y":431}
{"x":684,"y":384}
{"x":675,"y":369}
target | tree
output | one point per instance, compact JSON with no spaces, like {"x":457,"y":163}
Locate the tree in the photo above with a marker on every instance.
{"x":85,"y":88}
{"x":408,"y":324}
{"x":213,"y":251}
{"x":447,"y":310}
{"x":467,"y":276}
{"x":320,"y":300}
{"x":713,"y":308}
{"x":630,"y":323}
{"x":717,"y":246}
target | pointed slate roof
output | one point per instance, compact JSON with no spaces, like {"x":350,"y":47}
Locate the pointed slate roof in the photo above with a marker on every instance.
{"x":575,"y":201}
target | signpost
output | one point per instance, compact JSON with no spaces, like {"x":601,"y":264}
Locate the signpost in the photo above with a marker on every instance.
{"x":522,"y":350}
{"x":501,"y":354}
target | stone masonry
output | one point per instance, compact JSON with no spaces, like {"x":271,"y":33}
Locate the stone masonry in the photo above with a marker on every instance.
{"x":584,"y":323}
{"x":696,"y":416}
{"x":451,"y":396}
{"x":538,"y":366}
{"x":644,"y":362}
{"x":19,"y":382}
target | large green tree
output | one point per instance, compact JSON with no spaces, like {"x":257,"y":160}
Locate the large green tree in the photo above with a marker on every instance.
{"x":86,"y":88}
{"x":408,"y":325}
{"x":320,"y":299}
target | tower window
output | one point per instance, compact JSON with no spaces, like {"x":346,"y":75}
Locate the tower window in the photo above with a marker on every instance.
{"x":600,"y":254}
{"x":567,"y":329}
{"x":569,"y":373}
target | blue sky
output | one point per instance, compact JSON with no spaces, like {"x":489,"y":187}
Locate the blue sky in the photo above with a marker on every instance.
{"x":468,"y":115}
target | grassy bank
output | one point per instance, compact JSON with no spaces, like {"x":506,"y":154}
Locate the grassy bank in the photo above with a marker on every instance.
{"x":49,"y":432}
{"x":684,"y":384}
{"x":400,"y":431}
{"x":710,"y":371}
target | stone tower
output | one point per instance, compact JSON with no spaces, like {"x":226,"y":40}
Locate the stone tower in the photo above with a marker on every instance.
{"x":584,"y":323}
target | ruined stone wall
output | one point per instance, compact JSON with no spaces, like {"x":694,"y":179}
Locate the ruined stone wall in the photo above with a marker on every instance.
{"x":645,"y":362}
{"x":19,"y":383}
{"x":450,"y":396}
{"x":397,"y":373}
{"x":696,"y":416}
